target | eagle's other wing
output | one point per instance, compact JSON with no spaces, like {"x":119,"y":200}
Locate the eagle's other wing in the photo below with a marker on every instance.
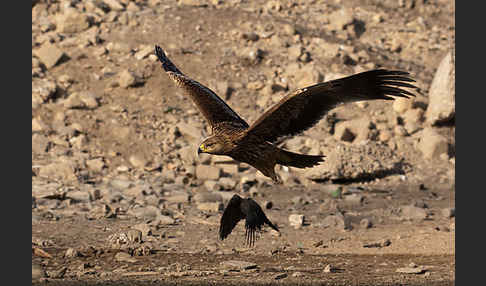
{"x":231,"y":216}
{"x":303,"y":108}
{"x":214,"y":109}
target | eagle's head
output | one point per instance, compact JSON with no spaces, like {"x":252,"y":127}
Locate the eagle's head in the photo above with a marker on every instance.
{"x":212,"y":145}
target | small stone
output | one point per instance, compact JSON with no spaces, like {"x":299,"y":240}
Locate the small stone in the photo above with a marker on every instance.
{"x":208,"y":172}
{"x":329,"y":269}
{"x":79,"y":196}
{"x":339,"y":19}
{"x":238,"y":265}
{"x":134,"y":235}
{"x":114,"y":5}
{"x":38,"y":125}
{"x":144,"y":52}
{"x":144,"y":229}
{"x":432,"y":144}
{"x":288,"y":29}
{"x":229,"y":168}
{"x":37,"y":272}
{"x":385,"y":135}
{"x":127,"y":79}
{"x":413,"y":213}
{"x":210,"y":206}
{"x":202,"y":197}
{"x":355,"y":130}
{"x":72,"y":21}
{"x":296,"y":220}
{"x":61,"y":171}
{"x":178,"y":197}
{"x":43,"y":91}
{"x":415,"y":115}
{"x":343,"y":133}
{"x":378,"y":244}
{"x":365,"y":223}
{"x":162,"y":220}
{"x":190,"y":132}
{"x":71,"y":253}
{"x":333,"y":221}
{"x":58,"y":274}
{"x":227,"y":183}
{"x":95,"y":165}
{"x":124,"y":257}
{"x":411,"y":270}
{"x":146,"y":213}
{"x":49,"y":54}
{"x":448,"y":212}
{"x":138,"y":161}
{"x":251,"y":36}
{"x":298,"y":274}
{"x":280,"y":276}
{"x":355,"y":199}
{"x":401,"y":105}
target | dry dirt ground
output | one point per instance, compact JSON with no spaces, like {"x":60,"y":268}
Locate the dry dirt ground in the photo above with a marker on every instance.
{"x":119,"y":196}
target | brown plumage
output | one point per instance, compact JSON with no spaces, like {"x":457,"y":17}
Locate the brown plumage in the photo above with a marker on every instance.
{"x":295,"y":113}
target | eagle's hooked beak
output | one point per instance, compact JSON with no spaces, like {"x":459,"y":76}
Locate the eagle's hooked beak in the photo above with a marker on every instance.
{"x":201,"y":149}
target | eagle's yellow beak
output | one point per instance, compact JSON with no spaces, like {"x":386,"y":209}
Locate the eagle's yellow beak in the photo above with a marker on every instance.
{"x":201,"y":149}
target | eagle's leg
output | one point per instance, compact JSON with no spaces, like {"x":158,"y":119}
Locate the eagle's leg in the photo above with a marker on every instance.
{"x":270,"y":172}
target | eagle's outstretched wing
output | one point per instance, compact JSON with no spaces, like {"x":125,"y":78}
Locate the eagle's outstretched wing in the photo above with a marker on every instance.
{"x":303,"y":108}
{"x":214,"y":109}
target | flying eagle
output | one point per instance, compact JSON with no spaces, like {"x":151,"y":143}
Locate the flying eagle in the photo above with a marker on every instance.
{"x":238,"y":209}
{"x":295,"y":113}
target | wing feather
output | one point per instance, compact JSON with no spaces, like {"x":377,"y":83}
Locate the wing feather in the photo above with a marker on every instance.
{"x":303,"y":108}
{"x":214,"y":109}
{"x":231,"y":216}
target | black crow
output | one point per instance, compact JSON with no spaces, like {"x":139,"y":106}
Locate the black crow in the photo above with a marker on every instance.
{"x":238,"y":209}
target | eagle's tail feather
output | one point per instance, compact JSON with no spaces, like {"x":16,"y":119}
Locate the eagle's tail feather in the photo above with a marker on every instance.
{"x":291,"y":159}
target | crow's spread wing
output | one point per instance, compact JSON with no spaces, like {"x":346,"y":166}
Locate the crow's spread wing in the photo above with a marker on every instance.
{"x":255,"y":219}
{"x":231,"y":216}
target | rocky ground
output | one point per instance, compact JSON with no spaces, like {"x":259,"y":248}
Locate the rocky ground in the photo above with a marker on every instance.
{"x":119,"y":195}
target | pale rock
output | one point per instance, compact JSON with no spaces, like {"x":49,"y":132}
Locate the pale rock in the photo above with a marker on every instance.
{"x":114,"y":5}
{"x":72,"y":21}
{"x":355,"y":130}
{"x":432,"y":144}
{"x":203,"y":197}
{"x":210,"y":206}
{"x":95,"y":165}
{"x":208,"y":172}
{"x":401,"y":105}
{"x":189,"y":131}
{"x":127,"y":79}
{"x":296,"y":220}
{"x":227,"y":183}
{"x":340,"y":19}
{"x":144,"y":51}
{"x":138,"y":161}
{"x":413,"y":213}
{"x":38,"y":125}
{"x":49,"y":54}
{"x":60,"y":171}
{"x":442,"y":95}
